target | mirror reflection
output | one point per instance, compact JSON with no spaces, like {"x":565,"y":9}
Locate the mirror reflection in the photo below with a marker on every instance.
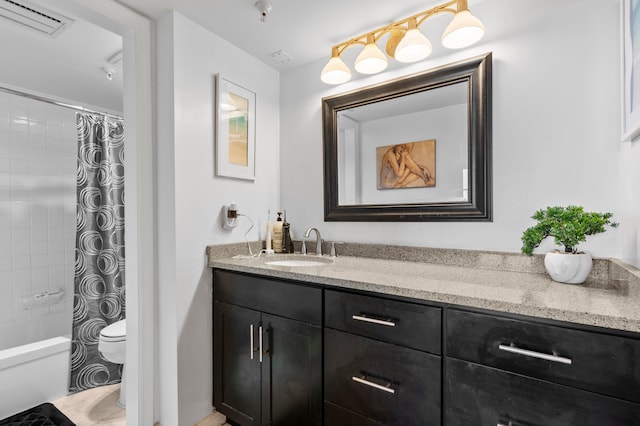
{"x":389,"y":152}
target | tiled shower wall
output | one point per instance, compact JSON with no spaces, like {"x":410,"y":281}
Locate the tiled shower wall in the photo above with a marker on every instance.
{"x":38,"y":148}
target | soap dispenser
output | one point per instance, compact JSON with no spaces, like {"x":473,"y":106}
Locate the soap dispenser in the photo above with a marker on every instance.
{"x":287,"y":242}
{"x":277,"y":234}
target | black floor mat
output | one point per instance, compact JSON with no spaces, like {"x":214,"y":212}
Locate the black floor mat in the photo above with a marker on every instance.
{"x":42,"y":415}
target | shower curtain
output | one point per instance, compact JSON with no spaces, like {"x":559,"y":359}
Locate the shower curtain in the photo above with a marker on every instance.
{"x":99,"y":298}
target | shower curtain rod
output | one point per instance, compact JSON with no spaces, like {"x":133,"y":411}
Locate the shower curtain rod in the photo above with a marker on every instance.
{"x":54,"y":102}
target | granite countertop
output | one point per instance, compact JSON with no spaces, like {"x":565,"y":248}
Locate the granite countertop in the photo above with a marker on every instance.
{"x":612,"y":300}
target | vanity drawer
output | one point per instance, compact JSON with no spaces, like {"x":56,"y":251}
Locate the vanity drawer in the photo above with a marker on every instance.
{"x":408,"y":324}
{"x":390,"y":384}
{"x":587,"y":360}
{"x":334,"y":415}
{"x":289,"y":300}
{"x":479,"y":395}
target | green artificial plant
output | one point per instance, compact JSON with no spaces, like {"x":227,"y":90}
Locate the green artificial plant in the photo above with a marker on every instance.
{"x":568,"y":225}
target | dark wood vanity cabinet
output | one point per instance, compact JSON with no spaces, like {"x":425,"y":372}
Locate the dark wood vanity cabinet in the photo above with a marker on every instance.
{"x":505,"y":371}
{"x":382,"y":361}
{"x":289,"y":353}
{"x":267,"y":358}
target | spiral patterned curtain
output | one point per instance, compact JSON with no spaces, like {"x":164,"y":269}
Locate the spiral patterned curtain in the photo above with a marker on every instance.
{"x":99,"y":286}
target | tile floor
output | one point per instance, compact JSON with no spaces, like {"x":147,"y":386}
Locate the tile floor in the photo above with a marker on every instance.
{"x":214,"y":419}
{"x":93,"y":407}
{"x":98,"y":407}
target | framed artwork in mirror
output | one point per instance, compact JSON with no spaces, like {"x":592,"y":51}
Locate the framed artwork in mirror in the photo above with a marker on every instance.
{"x":235,"y":130}
{"x":406,"y":165}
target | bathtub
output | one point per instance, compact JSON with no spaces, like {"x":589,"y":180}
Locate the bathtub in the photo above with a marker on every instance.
{"x":33,"y":373}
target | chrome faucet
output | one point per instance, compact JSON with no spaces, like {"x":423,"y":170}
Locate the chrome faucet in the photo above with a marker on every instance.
{"x":318,"y":240}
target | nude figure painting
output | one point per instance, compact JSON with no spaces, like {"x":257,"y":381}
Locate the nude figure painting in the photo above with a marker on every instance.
{"x":407,"y":165}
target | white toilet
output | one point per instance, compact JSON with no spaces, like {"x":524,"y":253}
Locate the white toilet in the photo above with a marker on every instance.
{"x":112,"y":347}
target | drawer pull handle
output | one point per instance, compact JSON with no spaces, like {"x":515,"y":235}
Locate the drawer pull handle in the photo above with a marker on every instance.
{"x":364,"y":318}
{"x":260,"y":340}
{"x":549,"y":357}
{"x":251,"y":340}
{"x":362,"y":380}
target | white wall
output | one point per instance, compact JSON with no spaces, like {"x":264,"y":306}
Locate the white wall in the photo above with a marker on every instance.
{"x":556,"y":132}
{"x":191,"y":198}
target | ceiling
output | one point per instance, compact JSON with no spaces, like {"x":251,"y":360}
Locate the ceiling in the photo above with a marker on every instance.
{"x":305,"y":30}
{"x":69,"y":66}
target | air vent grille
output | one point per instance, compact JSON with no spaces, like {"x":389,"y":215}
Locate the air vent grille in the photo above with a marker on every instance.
{"x":34,"y":17}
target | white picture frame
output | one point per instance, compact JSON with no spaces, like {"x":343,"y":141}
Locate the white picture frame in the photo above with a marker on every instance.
{"x":235,"y":130}
{"x":630,"y":58}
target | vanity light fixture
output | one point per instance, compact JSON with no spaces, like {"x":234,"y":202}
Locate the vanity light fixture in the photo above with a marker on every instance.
{"x":406,"y":43}
{"x":371,"y":60}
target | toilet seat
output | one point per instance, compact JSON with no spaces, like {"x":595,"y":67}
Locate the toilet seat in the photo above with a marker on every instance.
{"x":115,"y":332}
{"x":112,"y":343}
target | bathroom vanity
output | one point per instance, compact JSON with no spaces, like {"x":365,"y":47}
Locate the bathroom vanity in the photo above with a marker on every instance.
{"x":365,"y":341}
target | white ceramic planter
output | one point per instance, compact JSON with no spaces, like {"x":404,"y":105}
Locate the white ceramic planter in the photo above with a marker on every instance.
{"x":568,"y":267}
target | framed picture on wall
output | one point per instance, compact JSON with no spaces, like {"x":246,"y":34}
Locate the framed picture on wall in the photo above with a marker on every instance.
{"x":630,"y":69}
{"x":235,"y":130}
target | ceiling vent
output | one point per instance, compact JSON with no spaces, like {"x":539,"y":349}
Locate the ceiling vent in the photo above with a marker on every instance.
{"x":34,"y":17}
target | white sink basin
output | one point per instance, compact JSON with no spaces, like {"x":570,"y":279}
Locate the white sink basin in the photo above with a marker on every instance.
{"x":300,"y":261}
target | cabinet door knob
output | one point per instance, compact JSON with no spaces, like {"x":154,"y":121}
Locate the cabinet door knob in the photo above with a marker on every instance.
{"x":365,"y":318}
{"x":549,"y":357}
{"x":386,"y":388}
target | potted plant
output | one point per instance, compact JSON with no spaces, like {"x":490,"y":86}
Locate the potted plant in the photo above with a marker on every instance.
{"x":569,"y":226}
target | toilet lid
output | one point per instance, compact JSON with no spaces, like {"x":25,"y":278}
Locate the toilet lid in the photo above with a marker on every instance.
{"x":114,"y":332}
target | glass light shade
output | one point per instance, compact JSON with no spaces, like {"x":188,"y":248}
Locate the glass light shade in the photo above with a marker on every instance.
{"x":335,"y":72}
{"x":371,"y":60}
{"x":464,"y":30}
{"x":413,"y":47}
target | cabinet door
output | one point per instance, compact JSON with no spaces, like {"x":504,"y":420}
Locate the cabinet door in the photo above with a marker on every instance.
{"x":291,"y":372}
{"x":236,"y":366}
